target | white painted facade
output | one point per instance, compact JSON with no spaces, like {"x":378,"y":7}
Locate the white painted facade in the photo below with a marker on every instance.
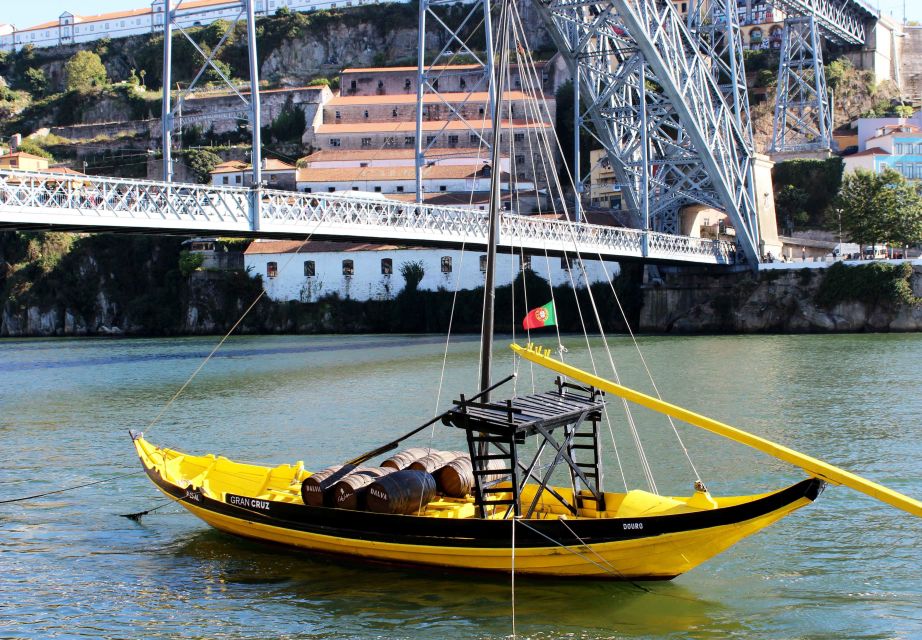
{"x":71,"y":28}
{"x":367,"y":281}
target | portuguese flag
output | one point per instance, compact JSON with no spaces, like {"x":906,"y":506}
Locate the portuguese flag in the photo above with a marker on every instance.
{"x":541,"y":317}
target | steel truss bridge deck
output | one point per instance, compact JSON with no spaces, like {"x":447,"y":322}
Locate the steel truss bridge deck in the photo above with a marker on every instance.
{"x":99,"y":204}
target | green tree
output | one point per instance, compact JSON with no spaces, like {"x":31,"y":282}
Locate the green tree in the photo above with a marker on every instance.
{"x":880,"y":208}
{"x":201,"y":162}
{"x":84,"y":71}
{"x":36,"y":81}
{"x":903,"y":111}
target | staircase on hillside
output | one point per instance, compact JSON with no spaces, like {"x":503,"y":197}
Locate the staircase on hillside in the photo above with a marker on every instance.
{"x":911,"y":64}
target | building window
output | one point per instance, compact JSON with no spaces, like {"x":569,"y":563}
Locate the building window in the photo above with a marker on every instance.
{"x":443,"y":188}
{"x":407,"y":84}
{"x":348,"y":268}
{"x":526,"y":263}
{"x":310,"y":268}
{"x":377,"y":189}
{"x":430,"y":139}
{"x":366,"y":114}
{"x":400,"y":189}
{"x":480,"y":111}
{"x":272,"y":269}
{"x":446,"y":264}
{"x":353,"y":85}
{"x":519,"y":137}
{"x":453,"y":140}
{"x":308,"y":190}
{"x":387,"y":266}
{"x":565,"y":263}
{"x":435,"y":84}
{"x":237,"y":179}
{"x":331,"y":189}
{"x":355,"y":188}
{"x":338,"y":115}
{"x":409,"y":141}
{"x":394,"y":112}
{"x":335,"y":142}
{"x":483,"y":263}
{"x":225,"y":180}
{"x":520,"y":159}
{"x":366,"y":142}
{"x":390,"y":141}
{"x":474,"y":138}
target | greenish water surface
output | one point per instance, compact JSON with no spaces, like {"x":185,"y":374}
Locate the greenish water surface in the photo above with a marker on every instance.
{"x":845,"y":567}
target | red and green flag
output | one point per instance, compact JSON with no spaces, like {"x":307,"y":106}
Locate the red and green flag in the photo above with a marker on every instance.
{"x":541,"y":317}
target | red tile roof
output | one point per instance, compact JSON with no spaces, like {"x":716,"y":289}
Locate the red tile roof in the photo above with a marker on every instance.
{"x":409,"y":126}
{"x":873,"y":151}
{"x":315,"y":246}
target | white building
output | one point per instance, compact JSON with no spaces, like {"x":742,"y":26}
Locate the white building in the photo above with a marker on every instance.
{"x":236,"y":173}
{"x":70,"y":28}
{"x":362,"y":271}
{"x":396,"y":179}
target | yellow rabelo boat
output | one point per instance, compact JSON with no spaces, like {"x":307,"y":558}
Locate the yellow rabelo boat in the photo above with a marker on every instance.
{"x":508,"y":515}
{"x":564,"y":531}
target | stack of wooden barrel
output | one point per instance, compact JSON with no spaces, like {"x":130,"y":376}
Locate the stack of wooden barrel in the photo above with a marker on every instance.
{"x":404,"y":483}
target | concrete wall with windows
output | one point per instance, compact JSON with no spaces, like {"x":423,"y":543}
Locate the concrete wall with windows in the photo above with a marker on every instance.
{"x":367,"y":282}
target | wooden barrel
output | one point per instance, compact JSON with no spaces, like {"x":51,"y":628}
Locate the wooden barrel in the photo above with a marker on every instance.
{"x":315,"y":491}
{"x":403,"y":492}
{"x":456,"y":479}
{"x":435,"y":461}
{"x":405,"y":458}
{"x":349,"y":493}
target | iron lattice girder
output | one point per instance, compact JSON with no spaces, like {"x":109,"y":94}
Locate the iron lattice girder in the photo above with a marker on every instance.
{"x":691,"y":130}
{"x":841,"y":21}
{"x":803,"y":119}
{"x":716,"y":25}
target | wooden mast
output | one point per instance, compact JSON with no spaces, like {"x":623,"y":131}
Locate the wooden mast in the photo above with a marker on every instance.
{"x":489,"y":293}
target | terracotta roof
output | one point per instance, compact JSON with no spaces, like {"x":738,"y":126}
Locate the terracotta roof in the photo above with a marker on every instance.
{"x":873,"y":151}
{"x":315,"y":246}
{"x":245,"y":92}
{"x":235,"y":166}
{"x":441,"y":67}
{"x":336,"y":155}
{"x":23,"y":154}
{"x":348,"y":174}
{"x":409,"y":126}
{"x":67,"y":171}
{"x":453,"y":97}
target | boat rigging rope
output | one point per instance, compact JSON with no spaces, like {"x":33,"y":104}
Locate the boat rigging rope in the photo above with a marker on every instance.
{"x":649,"y":373}
{"x":641,"y":453}
{"x":531,"y":88}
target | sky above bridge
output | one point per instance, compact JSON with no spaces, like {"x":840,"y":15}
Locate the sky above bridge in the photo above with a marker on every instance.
{"x":27,"y":14}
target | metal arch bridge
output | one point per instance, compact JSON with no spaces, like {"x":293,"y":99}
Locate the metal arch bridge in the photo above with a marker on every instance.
{"x":35,"y":201}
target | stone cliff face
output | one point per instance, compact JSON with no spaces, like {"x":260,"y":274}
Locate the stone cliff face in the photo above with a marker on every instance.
{"x":326,"y":51}
{"x":775,"y":302}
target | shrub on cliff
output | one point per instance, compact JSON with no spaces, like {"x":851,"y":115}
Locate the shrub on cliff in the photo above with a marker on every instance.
{"x":84,"y":71}
{"x":873,"y":284}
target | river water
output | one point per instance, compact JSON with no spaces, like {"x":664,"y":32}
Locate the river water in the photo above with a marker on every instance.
{"x":845,"y":567}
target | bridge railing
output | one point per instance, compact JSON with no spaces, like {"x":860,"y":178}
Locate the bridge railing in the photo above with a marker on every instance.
{"x":77,"y":200}
{"x":124,"y":198}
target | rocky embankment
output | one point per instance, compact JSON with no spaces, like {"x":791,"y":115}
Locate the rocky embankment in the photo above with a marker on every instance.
{"x":877,"y":297}
{"x":58,"y":284}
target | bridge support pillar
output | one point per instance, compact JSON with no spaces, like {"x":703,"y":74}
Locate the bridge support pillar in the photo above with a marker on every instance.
{"x":769,"y":242}
{"x":803,"y":120}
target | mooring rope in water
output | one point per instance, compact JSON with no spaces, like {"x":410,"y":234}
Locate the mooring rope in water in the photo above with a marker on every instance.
{"x":79,"y":486}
